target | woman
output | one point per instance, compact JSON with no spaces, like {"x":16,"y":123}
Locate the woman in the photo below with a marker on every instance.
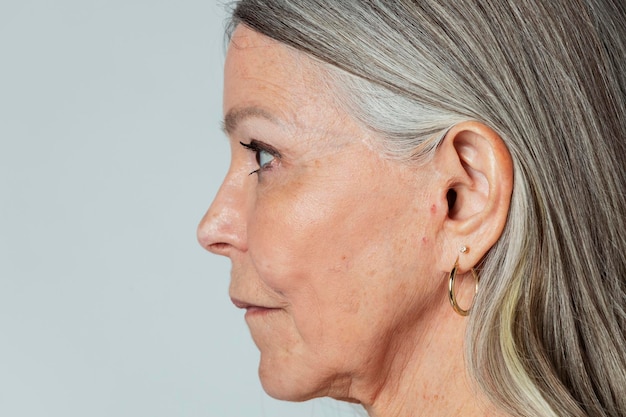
{"x":386,"y":156}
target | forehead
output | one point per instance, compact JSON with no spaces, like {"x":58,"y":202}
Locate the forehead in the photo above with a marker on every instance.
{"x":251,"y":54}
{"x":261,"y":72}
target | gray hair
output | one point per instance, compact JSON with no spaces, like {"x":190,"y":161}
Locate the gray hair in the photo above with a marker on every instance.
{"x":546,"y":336}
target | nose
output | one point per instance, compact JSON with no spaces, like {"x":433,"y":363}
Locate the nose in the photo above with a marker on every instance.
{"x":222,"y":230}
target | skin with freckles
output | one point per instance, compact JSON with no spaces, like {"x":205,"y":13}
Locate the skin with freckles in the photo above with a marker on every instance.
{"x":335,"y":250}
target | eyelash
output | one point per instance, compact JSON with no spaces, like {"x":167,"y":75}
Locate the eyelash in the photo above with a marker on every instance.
{"x":257,"y":148}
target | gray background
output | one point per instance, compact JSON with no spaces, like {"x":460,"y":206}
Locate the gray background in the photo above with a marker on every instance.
{"x":110,"y":152}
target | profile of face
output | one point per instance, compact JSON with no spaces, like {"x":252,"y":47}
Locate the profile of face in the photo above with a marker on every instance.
{"x":334,"y":248}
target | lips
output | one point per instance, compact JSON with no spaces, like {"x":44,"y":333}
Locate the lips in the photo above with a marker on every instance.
{"x":247,"y":306}
{"x":252,"y":309}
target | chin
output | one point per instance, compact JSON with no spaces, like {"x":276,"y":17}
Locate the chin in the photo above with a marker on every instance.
{"x":285,"y":382}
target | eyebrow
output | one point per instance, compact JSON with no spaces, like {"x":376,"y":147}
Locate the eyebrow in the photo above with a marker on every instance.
{"x":236,"y":116}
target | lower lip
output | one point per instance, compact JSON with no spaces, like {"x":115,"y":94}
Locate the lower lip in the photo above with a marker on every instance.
{"x":258,"y":311}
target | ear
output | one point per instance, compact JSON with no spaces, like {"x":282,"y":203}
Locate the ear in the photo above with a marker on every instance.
{"x":478,"y":173}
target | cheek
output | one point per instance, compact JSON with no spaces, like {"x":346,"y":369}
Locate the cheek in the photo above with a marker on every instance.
{"x":295,"y":241}
{"x":304,"y":245}
{"x":327,"y":249}
{"x":295,"y":260}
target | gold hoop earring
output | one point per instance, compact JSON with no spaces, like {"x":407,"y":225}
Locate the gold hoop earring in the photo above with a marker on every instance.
{"x":455,"y":305}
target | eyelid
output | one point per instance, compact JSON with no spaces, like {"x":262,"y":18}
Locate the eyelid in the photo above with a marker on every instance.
{"x":257,"y":146}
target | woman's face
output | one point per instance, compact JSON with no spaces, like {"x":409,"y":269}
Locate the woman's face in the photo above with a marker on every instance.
{"x":332,"y":246}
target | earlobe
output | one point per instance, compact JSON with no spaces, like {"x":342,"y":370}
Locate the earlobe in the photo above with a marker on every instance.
{"x":479,"y":175}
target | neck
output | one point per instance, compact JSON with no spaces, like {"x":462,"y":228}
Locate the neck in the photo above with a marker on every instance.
{"x":426,"y":375}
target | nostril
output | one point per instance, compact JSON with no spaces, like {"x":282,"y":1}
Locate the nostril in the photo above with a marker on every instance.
{"x":209,"y":239}
{"x":221,"y":231}
{"x":218,"y":248}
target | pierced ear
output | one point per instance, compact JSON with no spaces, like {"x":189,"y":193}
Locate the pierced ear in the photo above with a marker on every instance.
{"x":478,"y":172}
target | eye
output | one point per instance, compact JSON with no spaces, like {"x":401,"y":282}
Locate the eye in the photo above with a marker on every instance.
{"x":264,"y":158}
{"x":264,"y":154}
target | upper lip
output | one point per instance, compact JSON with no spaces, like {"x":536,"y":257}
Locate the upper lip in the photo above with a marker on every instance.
{"x":245,"y":305}
{"x":241,"y":304}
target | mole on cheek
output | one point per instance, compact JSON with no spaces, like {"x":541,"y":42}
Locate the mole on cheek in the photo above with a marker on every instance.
{"x":433,"y":209}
